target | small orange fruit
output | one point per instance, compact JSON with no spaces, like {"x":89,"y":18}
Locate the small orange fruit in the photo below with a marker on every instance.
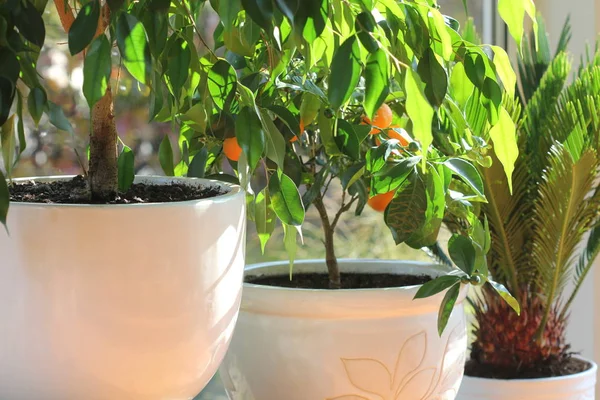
{"x":379,"y":202}
{"x":382,"y":119}
{"x":394,"y":134}
{"x":232,"y":149}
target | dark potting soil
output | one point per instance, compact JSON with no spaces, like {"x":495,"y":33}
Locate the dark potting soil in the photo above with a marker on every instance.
{"x":556,"y":367}
{"x":349,"y":280}
{"x":74,"y":191}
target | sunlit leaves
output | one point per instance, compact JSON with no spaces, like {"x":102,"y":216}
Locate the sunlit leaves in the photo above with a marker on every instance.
{"x":419,"y":110}
{"x":434,"y":76}
{"x":505,"y":294}
{"x":462,"y":252}
{"x":250,"y":136}
{"x":345,"y":72}
{"x":126,"y":171}
{"x":96,"y":70}
{"x":436,"y":286}
{"x":222,"y":83}
{"x":376,"y":81}
{"x":134,"y":48}
{"x":505,"y":70}
{"x":84,"y":27}
{"x":264,"y":217}
{"x":286,"y":199}
{"x":468,"y":173}
{"x":504,"y":137}
{"x":513,"y":14}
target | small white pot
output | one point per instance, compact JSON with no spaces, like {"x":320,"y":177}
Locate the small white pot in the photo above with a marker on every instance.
{"x":572,"y":387}
{"x":364,"y":344}
{"x":119,"y":302}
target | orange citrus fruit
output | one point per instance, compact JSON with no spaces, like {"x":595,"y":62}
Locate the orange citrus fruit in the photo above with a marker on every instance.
{"x":382,"y":119}
{"x":379,"y":202}
{"x":232,"y":149}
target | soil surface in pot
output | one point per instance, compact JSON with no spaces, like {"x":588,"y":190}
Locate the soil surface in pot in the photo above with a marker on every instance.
{"x":350,"y":280}
{"x":549,"y":369}
{"x":74,"y":191}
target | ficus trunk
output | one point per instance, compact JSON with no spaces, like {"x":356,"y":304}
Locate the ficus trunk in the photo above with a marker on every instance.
{"x":335,"y":281}
{"x":103,"y":175}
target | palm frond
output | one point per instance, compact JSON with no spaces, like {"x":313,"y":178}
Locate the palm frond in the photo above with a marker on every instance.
{"x":565,"y":37}
{"x":561,"y":217}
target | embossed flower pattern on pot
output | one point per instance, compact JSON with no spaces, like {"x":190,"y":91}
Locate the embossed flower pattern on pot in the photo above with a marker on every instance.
{"x":409,"y":376}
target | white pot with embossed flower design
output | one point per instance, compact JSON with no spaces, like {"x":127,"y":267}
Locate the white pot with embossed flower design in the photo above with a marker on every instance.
{"x":348,"y":344}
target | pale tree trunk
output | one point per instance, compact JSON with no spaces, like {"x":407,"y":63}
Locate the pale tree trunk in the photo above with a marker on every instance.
{"x":335,"y":280}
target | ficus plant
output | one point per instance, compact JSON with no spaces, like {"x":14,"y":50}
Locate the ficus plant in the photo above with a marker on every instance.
{"x":284,"y":98}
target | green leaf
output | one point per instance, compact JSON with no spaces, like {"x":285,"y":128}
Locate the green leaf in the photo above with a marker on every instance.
{"x":419,"y":111}
{"x":4,"y":200}
{"x":261,"y":12}
{"x":392,"y":176}
{"x":446,"y":307}
{"x":156,"y":25}
{"x":289,"y":8}
{"x":504,"y":137}
{"x":513,"y":14}
{"x":165,"y":156}
{"x":178,"y":64}
{"x":84,"y":27}
{"x":250,"y":135}
{"x":222,"y":83}
{"x":352,"y":174}
{"x":436,"y":286}
{"x":444,"y":36}
{"x":275,"y":142}
{"x":36,"y":102}
{"x":377,"y":80}
{"x":7,"y":94}
{"x":7,"y":138}
{"x":286,"y":199}
{"x":462,"y":252}
{"x":347,"y":140}
{"x":434,"y":76}
{"x":289,"y":242}
{"x":492,"y":99}
{"x":461,"y":86}
{"x":505,"y":70}
{"x":96,"y":70}
{"x":326,"y":131}
{"x":364,"y":25}
{"x":345,"y":72}
{"x":126,"y":168}
{"x":287,"y":117}
{"x":58,"y":119}
{"x":468,"y":173}
{"x":197,"y":167}
{"x":264,"y":218}
{"x":407,"y":211}
{"x":505,"y":294}
{"x":134,"y":48}
{"x":30,"y":23}
{"x":309,"y":109}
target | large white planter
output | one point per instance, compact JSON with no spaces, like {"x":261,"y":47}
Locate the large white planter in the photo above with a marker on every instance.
{"x":367,"y":344}
{"x":119,"y":302}
{"x":572,"y":387}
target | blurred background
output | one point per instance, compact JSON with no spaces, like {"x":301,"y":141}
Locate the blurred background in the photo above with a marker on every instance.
{"x":53,"y":152}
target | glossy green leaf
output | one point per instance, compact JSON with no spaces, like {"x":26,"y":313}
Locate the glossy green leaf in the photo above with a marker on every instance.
{"x":462,"y":252}
{"x":505,"y":294}
{"x":442,"y":33}
{"x":30,"y":22}
{"x":406,"y":212}
{"x":504,"y":139}
{"x":290,"y":244}
{"x":178,"y":64}
{"x":20,"y":126}
{"x":96,"y":70}
{"x":377,"y":79}
{"x":197,"y":168}
{"x":156,"y":25}
{"x":126,"y":169}
{"x":346,"y":139}
{"x":289,"y":8}
{"x":468,"y":173}
{"x":446,"y":307}
{"x":4,"y":200}
{"x":492,"y":99}
{"x":275,"y":142}
{"x":58,"y":118}
{"x":287,"y":117}
{"x":165,"y":156}
{"x":436,"y":286}
{"x":513,"y":14}
{"x":461,"y":86}
{"x":36,"y":102}
{"x":327,"y":137}
{"x":222,"y":83}
{"x":84,"y":27}
{"x":7,"y":94}
{"x":434,"y":76}
{"x":392,"y":176}
{"x":264,"y":217}
{"x":8,"y":142}
{"x":419,"y":110}
{"x":345,"y":72}
{"x":365,"y":24}
{"x":250,"y":135}
{"x":286,"y":199}
{"x":505,"y":70}
{"x":134,"y":48}
{"x":261,"y":12}
{"x":309,"y":109}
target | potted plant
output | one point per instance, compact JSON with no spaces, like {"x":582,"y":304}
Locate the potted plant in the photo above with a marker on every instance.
{"x":360,"y":91}
{"x":113,"y":286}
{"x":536,"y":233}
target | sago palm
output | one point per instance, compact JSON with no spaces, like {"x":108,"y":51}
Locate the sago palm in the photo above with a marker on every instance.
{"x":551,"y":208}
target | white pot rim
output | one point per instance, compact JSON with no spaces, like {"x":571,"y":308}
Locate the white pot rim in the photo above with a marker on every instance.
{"x":558,"y":379}
{"x":232,"y":191}
{"x":340,"y":303}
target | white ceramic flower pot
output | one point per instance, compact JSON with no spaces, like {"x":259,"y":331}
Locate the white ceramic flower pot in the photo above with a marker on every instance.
{"x":572,"y":387}
{"x":119,"y":302}
{"x":367,"y":344}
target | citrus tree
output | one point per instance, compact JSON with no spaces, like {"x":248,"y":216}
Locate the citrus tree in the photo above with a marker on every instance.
{"x":286,"y":96}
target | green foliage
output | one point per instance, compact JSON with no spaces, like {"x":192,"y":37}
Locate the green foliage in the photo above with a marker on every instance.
{"x":126,"y":164}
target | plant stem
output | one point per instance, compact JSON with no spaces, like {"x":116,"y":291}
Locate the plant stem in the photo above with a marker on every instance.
{"x":335,"y":280}
{"x":103,"y":171}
